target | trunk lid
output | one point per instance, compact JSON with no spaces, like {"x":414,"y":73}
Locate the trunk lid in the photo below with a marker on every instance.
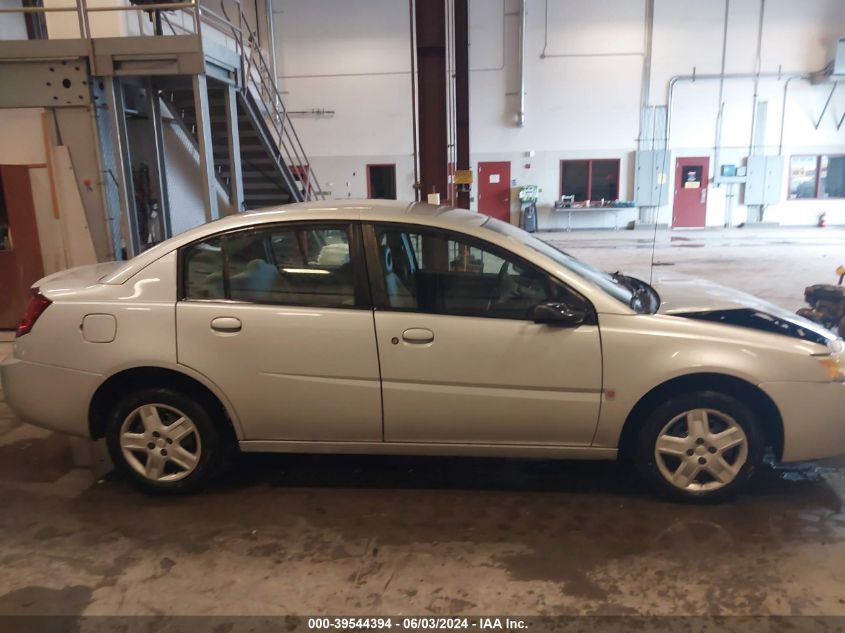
{"x":77,"y":278}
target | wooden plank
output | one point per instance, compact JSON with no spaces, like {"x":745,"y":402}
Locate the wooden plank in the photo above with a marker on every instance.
{"x":74,"y":224}
{"x":48,"y":153}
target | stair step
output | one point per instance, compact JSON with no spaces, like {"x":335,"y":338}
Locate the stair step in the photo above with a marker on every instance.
{"x":263,"y":184}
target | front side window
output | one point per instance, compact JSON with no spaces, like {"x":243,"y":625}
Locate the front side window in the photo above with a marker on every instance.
{"x":608,"y":283}
{"x":444,"y":273}
{"x":284,"y":266}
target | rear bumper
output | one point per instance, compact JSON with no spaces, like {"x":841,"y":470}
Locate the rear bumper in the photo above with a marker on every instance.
{"x":51,"y":397}
{"x":813,"y":416}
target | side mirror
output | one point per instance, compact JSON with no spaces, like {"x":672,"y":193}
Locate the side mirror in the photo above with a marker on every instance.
{"x":558,"y":314}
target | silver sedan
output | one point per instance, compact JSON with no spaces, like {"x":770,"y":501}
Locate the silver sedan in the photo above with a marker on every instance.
{"x":381,"y":327}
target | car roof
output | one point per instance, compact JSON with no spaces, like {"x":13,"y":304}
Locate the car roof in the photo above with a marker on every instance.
{"x":348,"y":210}
{"x":375,"y":210}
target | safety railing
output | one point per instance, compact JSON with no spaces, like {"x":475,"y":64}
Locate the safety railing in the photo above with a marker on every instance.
{"x":258,"y":80}
{"x":84,"y":13}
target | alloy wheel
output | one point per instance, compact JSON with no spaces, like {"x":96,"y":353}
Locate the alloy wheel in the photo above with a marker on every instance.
{"x":701,"y":450}
{"x":160,"y":442}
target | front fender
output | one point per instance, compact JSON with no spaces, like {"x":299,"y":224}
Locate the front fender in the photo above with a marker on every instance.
{"x":642,"y":352}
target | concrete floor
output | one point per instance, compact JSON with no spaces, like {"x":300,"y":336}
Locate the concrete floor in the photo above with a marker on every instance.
{"x":364,"y":535}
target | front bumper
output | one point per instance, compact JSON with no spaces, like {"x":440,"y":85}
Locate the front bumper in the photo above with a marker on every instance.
{"x":813,"y":416}
{"x":51,"y":397}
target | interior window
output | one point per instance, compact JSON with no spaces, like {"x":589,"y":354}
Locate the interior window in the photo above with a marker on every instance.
{"x":278,"y":266}
{"x":832,"y":177}
{"x":817,"y":176}
{"x":442,"y":273}
{"x":802,"y":176}
{"x":592,"y":180}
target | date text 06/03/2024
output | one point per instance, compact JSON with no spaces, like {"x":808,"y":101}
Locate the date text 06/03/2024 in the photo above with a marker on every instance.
{"x":432,"y":623}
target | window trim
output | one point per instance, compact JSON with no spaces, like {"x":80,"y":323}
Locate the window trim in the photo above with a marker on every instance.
{"x":379,"y":290}
{"x":590,"y":162}
{"x":360,"y":278}
{"x":817,"y":189}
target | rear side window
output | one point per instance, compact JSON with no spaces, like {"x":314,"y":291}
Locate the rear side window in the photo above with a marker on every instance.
{"x":283,"y":266}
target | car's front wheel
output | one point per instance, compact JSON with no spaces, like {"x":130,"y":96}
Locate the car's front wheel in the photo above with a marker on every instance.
{"x":700,"y":446}
{"x":163,"y":440}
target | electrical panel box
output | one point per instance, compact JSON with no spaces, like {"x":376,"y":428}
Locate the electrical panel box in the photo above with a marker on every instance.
{"x":651,"y":178}
{"x":763,"y":180}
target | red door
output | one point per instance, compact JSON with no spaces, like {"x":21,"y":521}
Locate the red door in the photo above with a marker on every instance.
{"x":690,"y":208}
{"x":20,"y":251}
{"x":494,"y":189}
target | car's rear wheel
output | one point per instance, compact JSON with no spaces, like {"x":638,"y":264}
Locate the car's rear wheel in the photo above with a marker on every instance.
{"x":163,"y":440}
{"x":700,"y":446}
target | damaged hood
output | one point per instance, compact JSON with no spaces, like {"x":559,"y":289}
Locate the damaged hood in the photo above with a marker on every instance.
{"x":701,"y":299}
{"x":681,"y":294}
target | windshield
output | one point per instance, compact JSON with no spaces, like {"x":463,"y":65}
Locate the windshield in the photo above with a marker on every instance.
{"x":611,"y":284}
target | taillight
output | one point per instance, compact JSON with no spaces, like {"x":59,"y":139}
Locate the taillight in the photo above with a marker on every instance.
{"x":37,"y":304}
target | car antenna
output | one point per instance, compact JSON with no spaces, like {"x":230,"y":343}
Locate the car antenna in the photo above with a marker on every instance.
{"x":662,"y":177}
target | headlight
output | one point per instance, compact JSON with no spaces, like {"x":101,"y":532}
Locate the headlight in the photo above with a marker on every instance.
{"x":833,"y":367}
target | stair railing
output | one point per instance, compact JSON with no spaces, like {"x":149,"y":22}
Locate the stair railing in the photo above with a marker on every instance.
{"x":259,"y":80}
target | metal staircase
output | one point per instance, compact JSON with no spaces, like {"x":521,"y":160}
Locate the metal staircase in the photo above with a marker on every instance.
{"x":265,"y":181}
{"x":274,"y":165}
{"x":104,"y":92}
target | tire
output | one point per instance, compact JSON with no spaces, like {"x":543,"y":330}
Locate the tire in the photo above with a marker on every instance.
{"x":164,"y":441}
{"x":700,"y":447}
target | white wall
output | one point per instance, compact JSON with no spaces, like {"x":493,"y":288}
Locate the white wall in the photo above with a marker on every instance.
{"x":582,"y":98}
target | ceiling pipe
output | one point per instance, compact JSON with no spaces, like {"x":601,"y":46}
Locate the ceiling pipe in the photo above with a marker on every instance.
{"x":645,"y":83}
{"x":717,"y":143}
{"x":413,"y":59}
{"x":670,"y":91}
{"x":758,"y":64}
{"x":813,"y":77}
{"x":520,"y":116}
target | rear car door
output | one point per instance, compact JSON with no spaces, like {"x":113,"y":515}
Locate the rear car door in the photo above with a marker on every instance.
{"x":279,"y":318}
{"x":462,"y":360}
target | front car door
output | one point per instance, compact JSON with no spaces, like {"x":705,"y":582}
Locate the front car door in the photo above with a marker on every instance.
{"x":279,"y":318}
{"x":462,"y":360}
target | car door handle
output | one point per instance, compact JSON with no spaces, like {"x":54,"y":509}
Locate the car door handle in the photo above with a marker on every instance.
{"x":418,"y":335}
{"x":226,"y":324}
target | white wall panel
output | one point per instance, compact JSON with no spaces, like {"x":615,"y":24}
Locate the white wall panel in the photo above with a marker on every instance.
{"x":330,"y":37}
{"x":599,"y":26}
{"x":358,"y":102}
{"x":582,"y":106}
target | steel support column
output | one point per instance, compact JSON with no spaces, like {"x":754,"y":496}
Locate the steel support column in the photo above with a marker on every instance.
{"x":154,"y":105}
{"x":236,"y":179}
{"x":461,"y":44}
{"x":431,"y":96}
{"x":123,"y":168}
{"x":203,"y":120}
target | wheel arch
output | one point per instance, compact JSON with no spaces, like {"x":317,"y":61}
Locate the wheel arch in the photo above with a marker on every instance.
{"x":761,"y":404}
{"x":119,"y":383}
